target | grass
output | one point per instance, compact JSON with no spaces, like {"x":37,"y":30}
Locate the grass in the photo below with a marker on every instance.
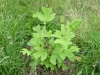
{"x":13,"y":33}
{"x":15,"y":30}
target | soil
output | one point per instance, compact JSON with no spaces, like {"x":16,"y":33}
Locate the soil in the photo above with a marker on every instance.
{"x":70,"y":71}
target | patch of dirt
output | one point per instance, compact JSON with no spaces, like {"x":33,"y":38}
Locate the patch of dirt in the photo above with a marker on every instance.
{"x":70,"y":71}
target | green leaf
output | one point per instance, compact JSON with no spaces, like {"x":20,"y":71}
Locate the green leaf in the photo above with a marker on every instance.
{"x":58,"y":41}
{"x":30,"y":43}
{"x":63,"y":30}
{"x":63,"y":42}
{"x":62,"y":19}
{"x":57,"y":50}
{"x":25,"y":51}
{"x":33,"y":64}
{"x":59,"y":59}
{"x":62,"y":55}
{"x":37,"y":29}
{"x":46,"y":15}
{"x":41,"y":17}
{"x":37,"y":55}
{"x":46,"y":63}
{"x":46,"y":33}
{"x":35,"y":15}
{"x":35,"y":41}
{"x":49,"y":33}
{"x":59,"y":65}
{"x":37,"y":48}
{"x":64,"y":67}
{"x":50,"y":17}
{"x":74,"y":49}
{"x":46,"y":11}
{"x":71,"y":57}
{"x":51,"y":42}
{"x":43,"y":56}
{"x":75,"y":24}
{"x":70,"y":35}
{"x":57,"y":34}
{"x":53,"y":59}
{"x":52,"y":66}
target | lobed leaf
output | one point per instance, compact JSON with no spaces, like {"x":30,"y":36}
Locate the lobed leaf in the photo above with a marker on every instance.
{"x":53,"y":59}
{"x":43,"y":56}
{"x":50,"y":17}
{"x":62,"y":55}
{"x":64,"y":67}
{"x":46,"y":11}
{"x":37,"y":28}
{"x":57,"y":34}
{"x":41,"y":17}
{"x":25,"y":51}
{"x":59,"y":59}
{"x":35,"y":15}
{"x":73,"y":49}
{"x":71,"y":57}
{"x":37,"y":55}
{"x":63,"y":30}
{"x":62,"y":19}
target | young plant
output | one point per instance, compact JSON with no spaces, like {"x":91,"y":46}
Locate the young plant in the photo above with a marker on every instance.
{"x":48,"y":48}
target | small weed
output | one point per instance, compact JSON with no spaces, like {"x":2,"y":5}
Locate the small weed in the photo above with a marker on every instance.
{"x":48,"y":48}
